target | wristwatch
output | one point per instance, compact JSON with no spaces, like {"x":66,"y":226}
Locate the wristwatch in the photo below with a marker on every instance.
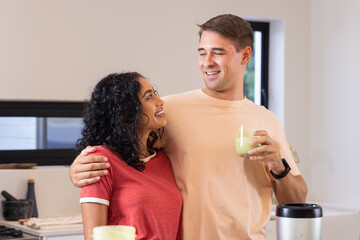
{"x":284,"y":173}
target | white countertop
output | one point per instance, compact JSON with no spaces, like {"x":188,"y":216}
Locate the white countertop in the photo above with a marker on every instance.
{"x":60,"y":232}
{"x":338,"y":221}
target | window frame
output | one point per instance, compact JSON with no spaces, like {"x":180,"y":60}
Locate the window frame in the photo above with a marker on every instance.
{"x":40,"y":109}
{"x":263,"y":27}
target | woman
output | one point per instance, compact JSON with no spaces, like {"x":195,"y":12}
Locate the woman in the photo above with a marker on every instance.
{"x":122,"y":116}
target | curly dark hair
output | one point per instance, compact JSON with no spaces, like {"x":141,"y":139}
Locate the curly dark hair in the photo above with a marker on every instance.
{"x":112,"y":116}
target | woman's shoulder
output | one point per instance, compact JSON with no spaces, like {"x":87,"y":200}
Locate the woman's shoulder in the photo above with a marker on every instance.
{"x":104,"y":151}
{"x":100,"y":149}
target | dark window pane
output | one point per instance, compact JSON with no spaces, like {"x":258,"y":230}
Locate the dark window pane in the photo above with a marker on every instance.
{"x":63,"y":132}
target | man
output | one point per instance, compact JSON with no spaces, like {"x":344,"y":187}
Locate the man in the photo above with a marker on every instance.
{"x":225,"y":196}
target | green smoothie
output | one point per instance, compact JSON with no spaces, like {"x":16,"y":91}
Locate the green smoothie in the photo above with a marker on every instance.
{"x":242,"y":146}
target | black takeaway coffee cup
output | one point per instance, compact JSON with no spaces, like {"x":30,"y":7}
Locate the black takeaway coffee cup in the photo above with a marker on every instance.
{"x":298,"y":221}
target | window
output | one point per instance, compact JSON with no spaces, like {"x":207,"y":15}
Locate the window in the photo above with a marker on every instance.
{"x":39,"y":132}
{"x":256,"y":74}
{"x":31,"y":133}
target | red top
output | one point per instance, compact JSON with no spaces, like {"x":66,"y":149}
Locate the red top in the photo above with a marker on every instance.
{"x":148,"y":200}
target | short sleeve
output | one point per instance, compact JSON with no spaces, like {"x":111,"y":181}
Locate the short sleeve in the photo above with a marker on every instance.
{"x":99,"y":192}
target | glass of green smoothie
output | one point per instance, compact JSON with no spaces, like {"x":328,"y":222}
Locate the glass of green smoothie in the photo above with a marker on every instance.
{"x":114,"y":232}
{"x":243,"y":138}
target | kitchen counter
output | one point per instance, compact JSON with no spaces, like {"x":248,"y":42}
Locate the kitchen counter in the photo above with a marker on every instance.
{"x":72,"y":233}
{"x":339,"y":222}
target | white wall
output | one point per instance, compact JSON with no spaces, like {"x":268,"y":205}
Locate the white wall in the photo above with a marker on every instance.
{"x":55,"y":194}
{"x":334,"y":162}
{"x":57,"y":50}
{"x":60,"y":49}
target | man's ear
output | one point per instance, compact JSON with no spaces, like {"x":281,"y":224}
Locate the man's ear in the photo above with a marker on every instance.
{"x":246,"y":55}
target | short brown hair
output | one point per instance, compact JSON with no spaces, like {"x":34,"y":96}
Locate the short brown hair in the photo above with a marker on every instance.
{"x":231,"y":27}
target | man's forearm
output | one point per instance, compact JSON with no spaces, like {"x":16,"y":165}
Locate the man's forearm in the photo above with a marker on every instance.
{"x":290,"y":189}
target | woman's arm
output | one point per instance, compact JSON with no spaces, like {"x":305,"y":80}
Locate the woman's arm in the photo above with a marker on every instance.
{"x":93,"y":214}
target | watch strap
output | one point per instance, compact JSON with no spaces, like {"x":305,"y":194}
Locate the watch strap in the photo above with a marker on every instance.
{"x":284,"y":173}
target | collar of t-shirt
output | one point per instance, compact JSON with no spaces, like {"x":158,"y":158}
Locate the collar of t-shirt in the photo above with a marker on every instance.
{"x":149,"y":157}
